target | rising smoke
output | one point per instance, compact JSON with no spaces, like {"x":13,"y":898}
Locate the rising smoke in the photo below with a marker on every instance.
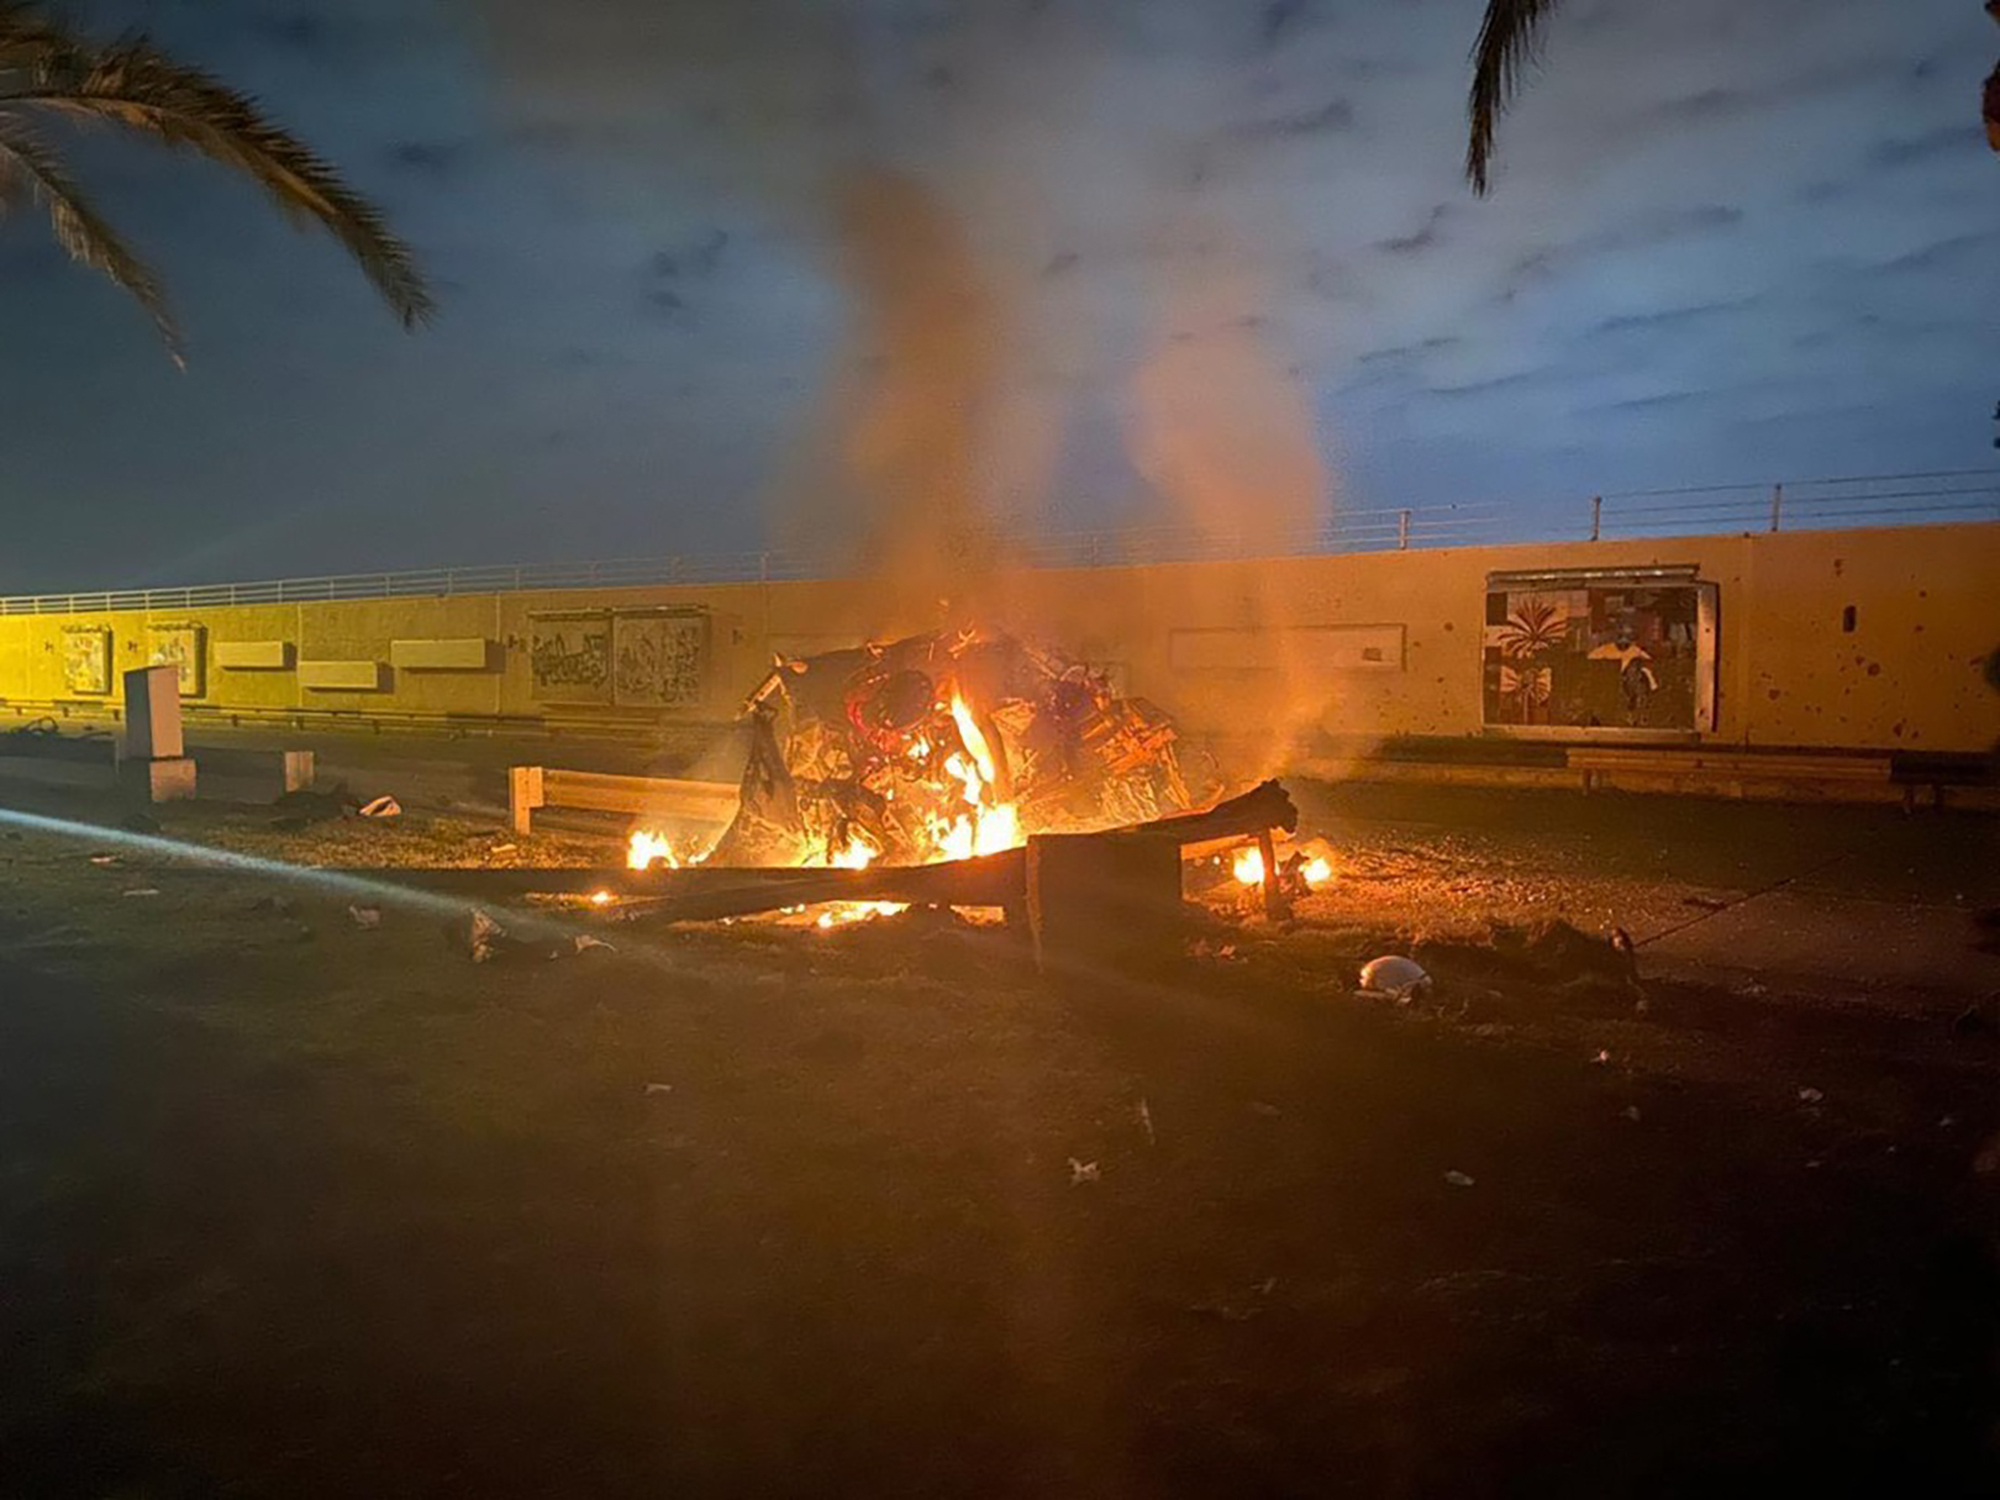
{"x":1058,"y":298}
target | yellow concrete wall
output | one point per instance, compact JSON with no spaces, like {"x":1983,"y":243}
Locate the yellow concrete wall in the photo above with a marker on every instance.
{"x":1926,"y":599}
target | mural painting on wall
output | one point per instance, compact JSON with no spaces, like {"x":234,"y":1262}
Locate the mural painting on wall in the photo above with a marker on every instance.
{"x":1606,"y":656}
{"x":86,"y":659}
{"x":659,"y":658}
{"x":179,"y":647}
{"x":569,"y":656}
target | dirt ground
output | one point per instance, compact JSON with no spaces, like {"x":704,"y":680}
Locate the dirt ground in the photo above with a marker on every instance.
{"x":292,"y":1206}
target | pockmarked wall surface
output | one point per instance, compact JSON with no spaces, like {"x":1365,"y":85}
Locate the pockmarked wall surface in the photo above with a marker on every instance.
{"x":1877,"y":638}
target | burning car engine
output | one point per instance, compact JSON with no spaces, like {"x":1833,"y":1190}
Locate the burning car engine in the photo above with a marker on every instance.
{"x":945,"y":746}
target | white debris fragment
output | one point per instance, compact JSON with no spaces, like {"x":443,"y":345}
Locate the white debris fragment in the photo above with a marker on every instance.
{"x":141,"y":890}
{"x":659,"y":1088}
{"x":503,"y":849}
{"x":482,"y":937}
{"x":1630,"y":1112}
{"x":104,"y":861}
{"x":382,"y":807}
{"x":585,"y":942}
{"x":366,"y":917}
{"x":1081,"y":1172}
{"x":1144,"y":1115}
{"x":1810,"y":1096}
{"x":1394,"y":975}
{"x":1602,"y":1057}
{"x":1458,"y":1179}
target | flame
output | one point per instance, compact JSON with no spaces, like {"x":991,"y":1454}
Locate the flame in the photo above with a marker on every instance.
{"x":858,"y":854}
{"x":1248,"y":867}
{"x":600,"y":898}
{"x":647,"y":848}
{"x":987,"y":826}
{"x":974,"y":739}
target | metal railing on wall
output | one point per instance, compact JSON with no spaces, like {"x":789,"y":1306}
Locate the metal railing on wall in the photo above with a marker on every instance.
{"x":1800,"y":505}
{"x":1901,"y":499}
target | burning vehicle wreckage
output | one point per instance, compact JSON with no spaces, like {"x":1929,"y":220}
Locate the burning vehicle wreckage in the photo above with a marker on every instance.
{"x":946,"y":747}
{"x":971,"y":769}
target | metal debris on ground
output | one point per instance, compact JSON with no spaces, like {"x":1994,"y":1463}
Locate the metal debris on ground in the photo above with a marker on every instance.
{"x":585,"y":942}
{"x":1394,"y":976}
{"x":381,"y":807}
{"x":1810,"y":1096}
{"x":365,"y":917}
{"x":105,"y":860}
{"x":1081,"y":1172}
{"x":1458,"y":1179}
{"x":1144,"y":1115}
{"x":659,"y":1088}
{"x":141,"y":890}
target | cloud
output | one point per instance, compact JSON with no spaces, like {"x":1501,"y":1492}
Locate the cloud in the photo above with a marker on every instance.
{"x":1945,"y":141}
{"x":1333,"y":116}
{"x":1937,"y":254}
{"x":1668,"y":317}
{"x":1425,"y":238}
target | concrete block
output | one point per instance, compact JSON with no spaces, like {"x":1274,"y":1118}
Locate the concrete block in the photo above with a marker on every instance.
{"x":253,"y":656}
{"x":153,"y":713}
{"x":343,"y":676}
{"x":463,"y":654}
{"x":165,"y":779}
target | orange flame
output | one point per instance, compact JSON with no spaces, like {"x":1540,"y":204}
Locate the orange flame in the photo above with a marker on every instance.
{"x":647,"y":848}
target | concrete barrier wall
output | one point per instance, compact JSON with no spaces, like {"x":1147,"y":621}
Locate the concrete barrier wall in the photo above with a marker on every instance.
{"x":1355,"y":645}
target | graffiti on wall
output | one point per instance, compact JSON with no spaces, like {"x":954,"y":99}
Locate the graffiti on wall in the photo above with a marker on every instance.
{"x":659,"y":658}
{"x":179,"y":647}
{"x":1606,"y":655}
{"x":569,"y":656}
{"x":86,"y":659}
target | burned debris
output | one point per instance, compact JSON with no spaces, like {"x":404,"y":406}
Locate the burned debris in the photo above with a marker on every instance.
{"x":946,"y":746}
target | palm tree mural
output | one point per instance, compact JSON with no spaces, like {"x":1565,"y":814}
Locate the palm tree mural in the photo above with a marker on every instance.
{"x":1535,"y":628}
{"x":51,"y":75}
{"x":1509,"y":36}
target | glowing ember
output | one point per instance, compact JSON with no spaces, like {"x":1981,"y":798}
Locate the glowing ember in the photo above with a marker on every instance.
{"x":1248,"y":866}
{"x":647,"y":848}
{"x":600,"y":898}
{"x":840,"y":913}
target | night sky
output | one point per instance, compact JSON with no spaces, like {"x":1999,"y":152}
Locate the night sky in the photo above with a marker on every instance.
{"x":1728,"y":241}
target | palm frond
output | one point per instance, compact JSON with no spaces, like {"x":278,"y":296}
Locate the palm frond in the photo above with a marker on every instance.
{"x":133,"y":84}
{"x":1509,"y":38}
{"x":26,"y":160}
